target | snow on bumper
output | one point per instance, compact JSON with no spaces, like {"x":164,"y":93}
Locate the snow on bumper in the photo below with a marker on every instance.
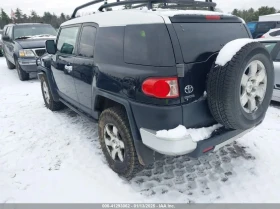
{"x":173,"y":147}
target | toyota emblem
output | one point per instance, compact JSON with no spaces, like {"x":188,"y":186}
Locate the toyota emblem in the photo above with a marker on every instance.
{"x":189,"y":89}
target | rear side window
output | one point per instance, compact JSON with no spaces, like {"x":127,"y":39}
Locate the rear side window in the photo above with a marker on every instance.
{"x":67,"y":40}
{"x":148,"y":45}
{"x":87,"y":42}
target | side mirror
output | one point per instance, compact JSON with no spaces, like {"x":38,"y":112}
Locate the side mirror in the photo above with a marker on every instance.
{"x":6,"y":38}
{"x":51,"y":46}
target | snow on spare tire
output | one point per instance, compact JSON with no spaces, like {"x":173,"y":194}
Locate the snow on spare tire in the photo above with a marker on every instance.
{"x":240,"y":84}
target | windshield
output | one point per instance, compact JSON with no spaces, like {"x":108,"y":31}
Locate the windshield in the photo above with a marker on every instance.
{"x":252,"y":26}
{"x":33,"y":30}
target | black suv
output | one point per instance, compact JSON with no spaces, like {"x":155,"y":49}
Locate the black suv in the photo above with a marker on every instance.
{"x":23,"y":44}
{"x":155,"y":71}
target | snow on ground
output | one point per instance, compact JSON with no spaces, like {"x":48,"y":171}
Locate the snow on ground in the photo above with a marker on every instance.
{"x":55,"y":157}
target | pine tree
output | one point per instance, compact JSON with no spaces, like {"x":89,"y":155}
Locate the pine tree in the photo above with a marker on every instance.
{"x":5,"y":19}
{"x":18,"y":15}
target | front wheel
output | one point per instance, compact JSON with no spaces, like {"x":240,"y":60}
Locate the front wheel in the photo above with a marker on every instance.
{"x":117,"y":143}
{"x":23,"y":76}
{"x":47,"y":95}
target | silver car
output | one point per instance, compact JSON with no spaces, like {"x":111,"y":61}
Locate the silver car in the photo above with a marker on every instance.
{"x":273,"y":46}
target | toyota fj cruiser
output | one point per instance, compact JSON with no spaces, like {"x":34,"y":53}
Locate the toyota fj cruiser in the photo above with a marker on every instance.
{"x":138,"y":71}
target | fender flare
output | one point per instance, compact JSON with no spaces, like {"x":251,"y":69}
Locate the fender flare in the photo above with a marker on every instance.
{"x":146,"y":155}
{"x":52,"y":85}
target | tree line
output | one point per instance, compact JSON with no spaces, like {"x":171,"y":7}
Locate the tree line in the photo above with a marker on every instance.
{"x":33,"y":17}
{"x":253,"y":15}
{"x":56,"y":20}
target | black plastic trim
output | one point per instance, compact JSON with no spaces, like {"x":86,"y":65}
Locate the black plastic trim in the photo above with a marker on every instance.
{"x":51,"y":81}
{"x":219,"y":136}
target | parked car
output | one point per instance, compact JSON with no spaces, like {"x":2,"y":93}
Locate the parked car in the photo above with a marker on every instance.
{"x":149,"y":72}
{"x":23,"y":44}
{"x":273,"y":33}
{"x":258,"y":29}
{"x":273,"y":46}
{"x":1,"y":44}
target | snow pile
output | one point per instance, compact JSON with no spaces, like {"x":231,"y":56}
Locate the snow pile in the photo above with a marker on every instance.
{"x":230,"y":49}
{"x":198,"y":134}
{"x":175,"y":133}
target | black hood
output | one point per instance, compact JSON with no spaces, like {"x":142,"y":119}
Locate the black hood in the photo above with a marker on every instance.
{"x":33,"y":43}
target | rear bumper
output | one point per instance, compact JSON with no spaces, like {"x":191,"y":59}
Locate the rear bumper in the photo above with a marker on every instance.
{"x":276,"y":95}
{"x":175,"y":147}
{"x":153,"y":117}
{"x":163,"y":146}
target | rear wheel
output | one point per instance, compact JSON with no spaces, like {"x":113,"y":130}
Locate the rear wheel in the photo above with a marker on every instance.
{"x":117,"y":143}
{"x":23,"y":76}
{"x":239,"y":93}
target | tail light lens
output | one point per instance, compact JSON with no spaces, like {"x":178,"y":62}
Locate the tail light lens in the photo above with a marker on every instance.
{"x":161,"y":87}
{"x":262,"y":36}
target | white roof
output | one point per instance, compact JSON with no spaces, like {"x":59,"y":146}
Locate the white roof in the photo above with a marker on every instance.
{"x":135,"y":16}
{"x":271,"y":15}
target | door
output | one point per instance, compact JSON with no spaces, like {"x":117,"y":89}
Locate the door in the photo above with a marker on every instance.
{"x":277,"y":68}
{"x":63,"y":61}
{"x":274,"y":49}
{"x":84,"y":67}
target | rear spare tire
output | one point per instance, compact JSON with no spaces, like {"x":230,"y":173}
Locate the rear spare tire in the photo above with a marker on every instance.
{"x":239,"y":92}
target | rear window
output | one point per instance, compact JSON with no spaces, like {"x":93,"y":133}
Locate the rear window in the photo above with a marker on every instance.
{"x":265,"y":26}
{"x":200,"y":40}
{"x":148,"y":45}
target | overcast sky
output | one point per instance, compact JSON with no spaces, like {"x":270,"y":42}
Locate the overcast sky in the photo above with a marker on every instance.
{"x":67,"y":6}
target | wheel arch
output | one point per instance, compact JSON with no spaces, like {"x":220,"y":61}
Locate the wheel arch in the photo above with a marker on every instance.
{"x":51,"y":82}
{"x":105,"y":100}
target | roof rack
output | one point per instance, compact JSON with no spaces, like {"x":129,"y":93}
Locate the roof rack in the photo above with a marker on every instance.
{"x":149,"y":4}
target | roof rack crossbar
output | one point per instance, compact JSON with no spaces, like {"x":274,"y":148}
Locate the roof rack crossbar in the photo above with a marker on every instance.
{"x":138,"y":6}
{"x":149,"y":3}
{"x":85,"y":5}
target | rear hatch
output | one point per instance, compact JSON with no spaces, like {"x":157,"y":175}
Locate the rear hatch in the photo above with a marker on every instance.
{"x":201,"y":37}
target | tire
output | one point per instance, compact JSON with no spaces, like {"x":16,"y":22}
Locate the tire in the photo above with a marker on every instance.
{"x":9,"y":64}
{"x":22,"y":75}
{"x":116,"y":117}
{"x":225,"y":90}
{"x":47,"y":95}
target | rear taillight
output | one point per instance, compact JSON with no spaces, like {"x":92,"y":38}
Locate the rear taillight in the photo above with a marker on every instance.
{"x":161,"y":87}
{"x":262,"y":36}
{"x":213,"y":17}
